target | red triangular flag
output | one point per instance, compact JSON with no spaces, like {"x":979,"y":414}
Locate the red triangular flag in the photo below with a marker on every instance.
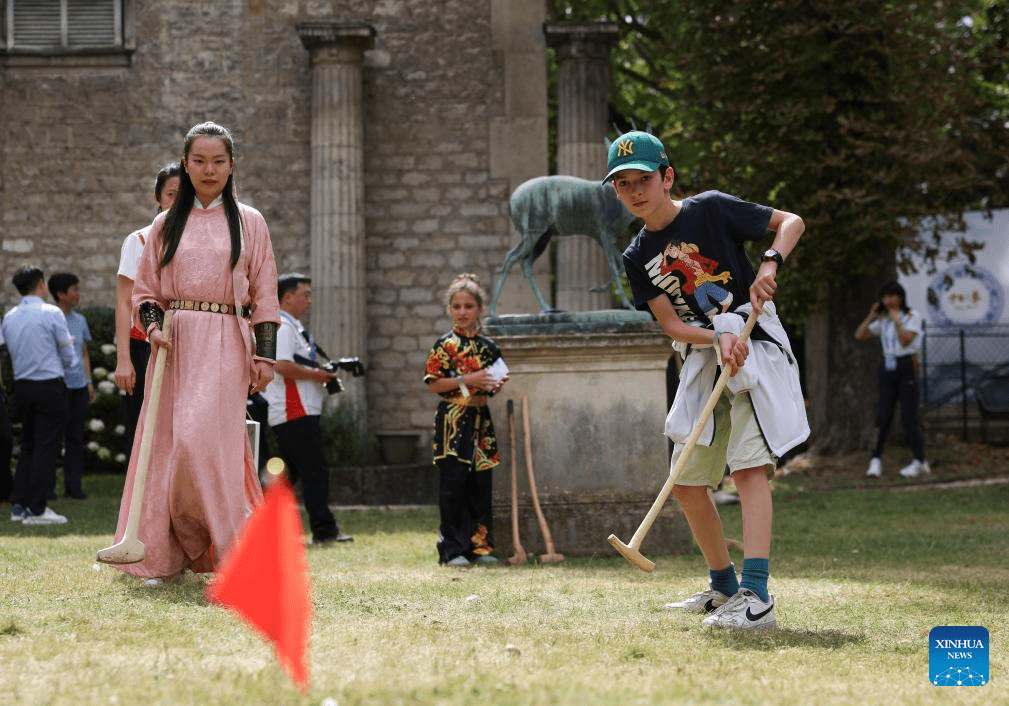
{"x":265,"y":580}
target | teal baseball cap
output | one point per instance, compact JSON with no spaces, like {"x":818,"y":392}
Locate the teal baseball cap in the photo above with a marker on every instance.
{"x":635,"y":150}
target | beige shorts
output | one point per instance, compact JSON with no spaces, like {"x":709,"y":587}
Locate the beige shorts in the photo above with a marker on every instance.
{"x":737,"y":443}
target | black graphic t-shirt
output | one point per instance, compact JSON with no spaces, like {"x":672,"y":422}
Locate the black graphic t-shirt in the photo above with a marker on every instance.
{"x":698,"y":260}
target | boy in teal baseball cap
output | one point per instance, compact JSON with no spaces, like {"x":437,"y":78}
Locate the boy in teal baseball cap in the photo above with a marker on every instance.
{"x":689,"y":268}
{"x":636,"y":150}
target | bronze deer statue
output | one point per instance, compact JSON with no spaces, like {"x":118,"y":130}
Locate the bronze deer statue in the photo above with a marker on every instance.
{"x":547,"y":206}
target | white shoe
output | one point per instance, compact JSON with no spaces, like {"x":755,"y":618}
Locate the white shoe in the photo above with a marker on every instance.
{"x":154,"y":582}
{"x":875,"y":468}
{"x":17,"y":513}
{"x":703,"y":602}
{"x":915,"y":468}
{"x":458,"y":561}
{"x":46,"y":518}
{"x":744,"y":611}
{"x":725,"y":497}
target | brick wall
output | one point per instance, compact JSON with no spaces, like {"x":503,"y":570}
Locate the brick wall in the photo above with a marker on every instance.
{"x":79,"y":148}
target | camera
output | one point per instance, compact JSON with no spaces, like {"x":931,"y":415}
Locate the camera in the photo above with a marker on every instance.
{"x":351,"y":365}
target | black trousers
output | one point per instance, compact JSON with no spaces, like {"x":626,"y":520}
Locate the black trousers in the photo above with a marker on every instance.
{"x":899,"y":386}
{"x":465,"y":505}
{"x":78,"y":401}
{"x":300,"y":445}
{"x":43,"y":410}
{"x":6,"y":449}
{"x":140,"y":355}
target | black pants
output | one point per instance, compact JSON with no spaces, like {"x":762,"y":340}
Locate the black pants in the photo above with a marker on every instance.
{"x":300,"y":445}
{"x":464,"y":502}
{"x":899,"y":386}
{"x":6,"y":449}
{"x":73,"y":445}
{"x":140,"y":354}
{"x":43,"y":411}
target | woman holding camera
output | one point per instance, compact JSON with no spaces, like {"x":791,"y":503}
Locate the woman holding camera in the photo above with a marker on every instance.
{"x":900,"y":331}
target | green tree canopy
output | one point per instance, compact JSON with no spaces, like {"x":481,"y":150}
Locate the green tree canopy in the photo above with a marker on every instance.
{"x":869,"y":118}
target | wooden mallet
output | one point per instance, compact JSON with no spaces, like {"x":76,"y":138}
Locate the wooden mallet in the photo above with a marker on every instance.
{"x":519,"y":556}
{"x":631,"y":552}
{"x":551,"y":556}
{"x":130,"y":549}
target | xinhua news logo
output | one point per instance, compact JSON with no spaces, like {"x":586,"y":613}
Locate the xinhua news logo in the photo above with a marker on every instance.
{"x":958,"y":655}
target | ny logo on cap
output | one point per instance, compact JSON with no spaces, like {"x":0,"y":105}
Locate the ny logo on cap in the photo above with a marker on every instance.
{"x":625,"y":148}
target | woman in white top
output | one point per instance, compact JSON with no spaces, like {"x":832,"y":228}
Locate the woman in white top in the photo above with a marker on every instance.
{"x":132,"y":349}
{"x":900,"y":331}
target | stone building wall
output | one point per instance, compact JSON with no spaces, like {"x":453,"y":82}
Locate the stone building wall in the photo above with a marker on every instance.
{"x":80,"y":145}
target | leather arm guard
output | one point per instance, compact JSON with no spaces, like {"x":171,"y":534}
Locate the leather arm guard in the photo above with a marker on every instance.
{"x":151,"y":313}
{"x":266,"y":340}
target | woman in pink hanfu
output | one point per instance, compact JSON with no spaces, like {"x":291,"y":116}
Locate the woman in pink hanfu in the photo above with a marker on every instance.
{"x":210,"y":262}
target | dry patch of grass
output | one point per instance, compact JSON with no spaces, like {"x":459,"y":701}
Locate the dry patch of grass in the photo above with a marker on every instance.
{"x":858,"y":592}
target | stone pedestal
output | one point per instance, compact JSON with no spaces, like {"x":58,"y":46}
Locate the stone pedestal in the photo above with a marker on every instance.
{"x":596,"y":389}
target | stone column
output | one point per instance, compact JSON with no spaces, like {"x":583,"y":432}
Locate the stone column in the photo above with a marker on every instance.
{"x":583,"y":82}
{"x":338,"y":317}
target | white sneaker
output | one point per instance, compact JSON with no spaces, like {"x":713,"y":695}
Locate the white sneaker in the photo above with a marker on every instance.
{"x":875,"y":468}
{"x":915,"y":468}
{"x":17,"y":513}
{"x":48,"y":517}
{"x":458,"y":561}
{"x":725,"y":497}
{"x":703,"y":602}
{"x":744,"y":611}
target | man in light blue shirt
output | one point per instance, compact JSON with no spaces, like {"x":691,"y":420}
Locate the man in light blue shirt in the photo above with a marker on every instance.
{"x":64,"y":286}
{"x":41,"y":350}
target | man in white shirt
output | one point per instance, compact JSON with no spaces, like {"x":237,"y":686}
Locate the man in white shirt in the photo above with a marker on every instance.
{"x":295,"y":397}
{"x":42,"y":352}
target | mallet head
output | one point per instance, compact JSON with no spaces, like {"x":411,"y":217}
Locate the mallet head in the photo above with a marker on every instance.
{"x":631,"y":554}
{"x":128,"y":551}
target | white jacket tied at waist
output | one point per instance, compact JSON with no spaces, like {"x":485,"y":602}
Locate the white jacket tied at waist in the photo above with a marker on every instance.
{"x":770,"y":375}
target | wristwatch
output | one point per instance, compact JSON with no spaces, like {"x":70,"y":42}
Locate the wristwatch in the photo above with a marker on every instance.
{"x":772,"y":255}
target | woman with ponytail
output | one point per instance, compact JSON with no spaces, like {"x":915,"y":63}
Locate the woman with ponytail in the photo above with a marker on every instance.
{"x":209,"y":265}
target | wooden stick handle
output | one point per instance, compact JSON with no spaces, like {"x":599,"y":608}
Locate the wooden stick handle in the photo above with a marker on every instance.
{"x":146,"y":441}
{"x":691,"y":442}
{"x":544,"y":528}
{"x":516,"y":543}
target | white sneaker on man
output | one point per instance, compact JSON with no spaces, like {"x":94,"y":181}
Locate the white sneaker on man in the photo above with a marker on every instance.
{"x":875,"y":468}
{"x":915,"y":468}
{"x":703,"y":602}
{"x":48,"y":517}
{"x":744,"y":611}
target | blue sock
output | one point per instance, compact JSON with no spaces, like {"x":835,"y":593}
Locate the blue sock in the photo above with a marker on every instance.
{"x":724,"y":580}
{"x":755,"y":573}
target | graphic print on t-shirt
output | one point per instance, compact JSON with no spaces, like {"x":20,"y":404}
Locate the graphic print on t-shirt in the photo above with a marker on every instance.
{"x":691,"y":279}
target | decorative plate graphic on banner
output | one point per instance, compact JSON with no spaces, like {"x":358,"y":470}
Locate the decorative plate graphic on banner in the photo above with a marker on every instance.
{"x":965,"y":296}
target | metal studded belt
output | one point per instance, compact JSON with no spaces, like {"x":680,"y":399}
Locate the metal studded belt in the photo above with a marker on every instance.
{"x":212,"y":307}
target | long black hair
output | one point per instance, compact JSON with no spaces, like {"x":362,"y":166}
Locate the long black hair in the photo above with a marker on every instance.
{"x":178,"y":214}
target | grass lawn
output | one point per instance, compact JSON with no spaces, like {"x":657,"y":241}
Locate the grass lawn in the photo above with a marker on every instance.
{"x":861,"y":577}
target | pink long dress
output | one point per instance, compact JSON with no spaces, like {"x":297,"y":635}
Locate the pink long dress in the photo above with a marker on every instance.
{"x":201,"y":483}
